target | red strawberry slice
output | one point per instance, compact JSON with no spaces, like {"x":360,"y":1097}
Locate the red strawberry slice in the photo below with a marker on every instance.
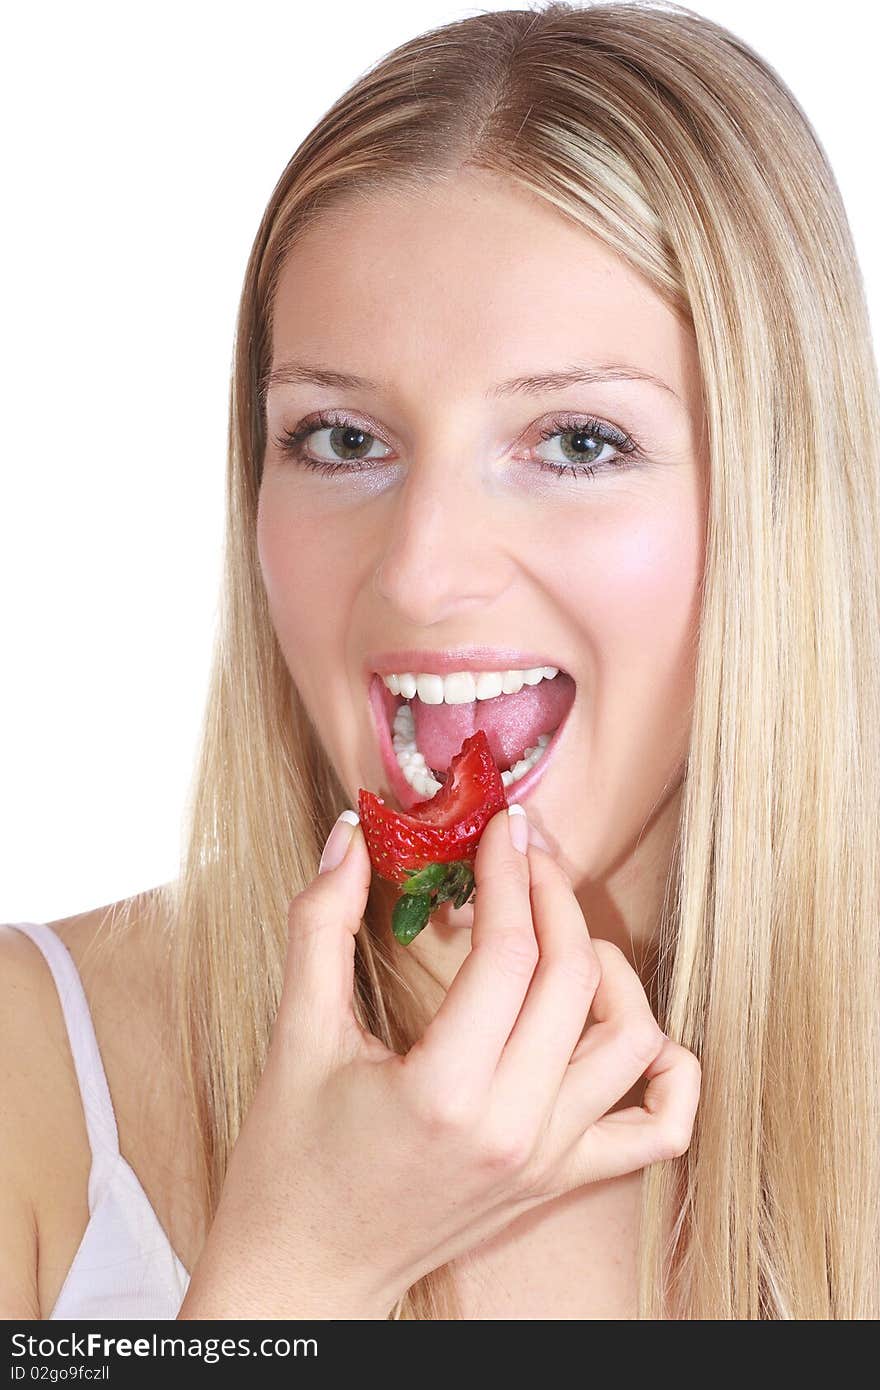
{"x":408,"y":849}
{"x":446,"y":827}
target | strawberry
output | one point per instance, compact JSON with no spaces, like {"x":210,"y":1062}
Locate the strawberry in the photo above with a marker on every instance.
{"x":429,"y":851}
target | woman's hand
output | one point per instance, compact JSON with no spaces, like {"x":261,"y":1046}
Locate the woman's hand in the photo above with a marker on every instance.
{"x":358,"y":1170}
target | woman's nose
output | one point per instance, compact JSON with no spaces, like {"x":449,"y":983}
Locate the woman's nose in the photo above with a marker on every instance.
{"x":444,"y":552}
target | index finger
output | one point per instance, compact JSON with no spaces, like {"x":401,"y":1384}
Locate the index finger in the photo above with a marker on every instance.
{"x":465,"y":1039}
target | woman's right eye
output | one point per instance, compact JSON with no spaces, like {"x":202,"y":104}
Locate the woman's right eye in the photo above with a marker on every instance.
{"x":348,"y":445}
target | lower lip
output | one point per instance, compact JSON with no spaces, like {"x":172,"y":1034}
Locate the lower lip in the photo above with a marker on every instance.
{"x":407,"y":796}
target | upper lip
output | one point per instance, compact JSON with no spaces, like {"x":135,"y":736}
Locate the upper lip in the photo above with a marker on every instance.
{"x":441,"y":663}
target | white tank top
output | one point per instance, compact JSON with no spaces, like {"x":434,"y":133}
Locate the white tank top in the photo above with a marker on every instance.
{"x":125,"y":1266}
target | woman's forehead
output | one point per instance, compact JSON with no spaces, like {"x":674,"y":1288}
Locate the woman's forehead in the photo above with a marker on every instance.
{"x":491,"y":278}
{"x":478,"y":245}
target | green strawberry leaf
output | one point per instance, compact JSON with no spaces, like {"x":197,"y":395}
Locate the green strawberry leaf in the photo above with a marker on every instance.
{"x":410,"y":915}
{"x":426,"y":879}
{"x":466,"y":892}
{"x":459,"y":879}
{"x":425,"y":890}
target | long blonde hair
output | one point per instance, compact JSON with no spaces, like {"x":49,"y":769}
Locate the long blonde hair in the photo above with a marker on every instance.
{"x":666,"y":136}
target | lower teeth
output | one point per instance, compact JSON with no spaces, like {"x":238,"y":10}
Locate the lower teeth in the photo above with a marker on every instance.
{"x":420,"y":777}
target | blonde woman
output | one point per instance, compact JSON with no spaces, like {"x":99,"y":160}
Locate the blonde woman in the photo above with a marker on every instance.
{"x":552,"y":358}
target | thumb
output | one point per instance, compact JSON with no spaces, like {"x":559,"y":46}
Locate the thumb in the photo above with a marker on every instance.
{"x":338,"y":841}
{"x":322,"y":922}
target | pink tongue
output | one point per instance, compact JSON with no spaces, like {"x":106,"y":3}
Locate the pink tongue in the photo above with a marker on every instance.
{"x":512,"y":723}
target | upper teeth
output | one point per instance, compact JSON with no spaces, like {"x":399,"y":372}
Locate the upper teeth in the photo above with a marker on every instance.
{"x":461,"y":687}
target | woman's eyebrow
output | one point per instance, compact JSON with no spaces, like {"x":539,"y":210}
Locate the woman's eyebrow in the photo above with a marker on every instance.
{"x":291,"y":372}
{"x":574,"y":376}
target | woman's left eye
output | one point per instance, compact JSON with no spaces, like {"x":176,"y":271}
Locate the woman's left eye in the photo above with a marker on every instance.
{"x":581,"y":444}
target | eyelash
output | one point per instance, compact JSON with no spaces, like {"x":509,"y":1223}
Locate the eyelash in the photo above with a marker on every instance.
{"x":290,"y":444}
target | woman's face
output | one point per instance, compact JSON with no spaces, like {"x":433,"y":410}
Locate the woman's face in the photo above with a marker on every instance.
{"x":440,"y":528}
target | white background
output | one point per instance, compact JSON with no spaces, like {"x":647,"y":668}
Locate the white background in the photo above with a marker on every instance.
{"x":141,"y":145}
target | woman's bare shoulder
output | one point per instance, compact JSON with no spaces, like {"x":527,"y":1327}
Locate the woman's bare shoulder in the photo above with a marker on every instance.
{"x":44,"y":1151}
{"x":25,"y":1056}
{"x":125,"y":937}
{"x":120,"y":951}
{"x":111,"y":949}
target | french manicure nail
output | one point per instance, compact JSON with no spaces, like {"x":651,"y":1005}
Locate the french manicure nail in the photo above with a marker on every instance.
{"x":338,"y":841}
{"x":518,"y":823}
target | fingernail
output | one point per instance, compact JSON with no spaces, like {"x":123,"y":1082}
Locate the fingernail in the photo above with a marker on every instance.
{"x":518,"y":822}
{"x":338,"y":841}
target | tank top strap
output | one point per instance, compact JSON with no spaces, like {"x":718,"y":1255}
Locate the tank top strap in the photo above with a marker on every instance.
{"x":97,"y":1105}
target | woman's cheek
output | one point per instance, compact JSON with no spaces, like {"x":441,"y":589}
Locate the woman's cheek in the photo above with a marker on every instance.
{"x":639,"y":562}
{"x":297,"y":563}
{"x":641,"y":606}
{"x":290,"y":563}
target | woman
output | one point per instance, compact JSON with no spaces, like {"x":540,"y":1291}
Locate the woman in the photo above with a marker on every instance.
{"x":543,"y":343}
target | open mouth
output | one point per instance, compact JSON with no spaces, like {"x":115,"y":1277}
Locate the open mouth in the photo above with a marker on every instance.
{"x":418,"y":738}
